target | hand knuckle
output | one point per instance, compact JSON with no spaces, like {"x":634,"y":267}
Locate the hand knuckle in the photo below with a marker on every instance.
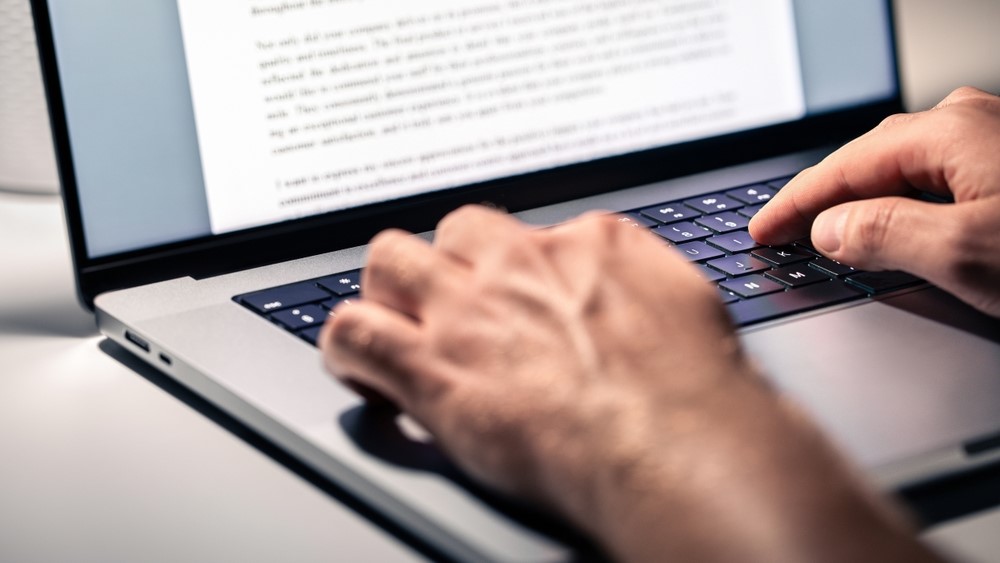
{"x":970,"y":101}
{"x":383,"y":253}
{"x":383,"y":244}
{"x":894,"y":120}
{"x":965,"y":92}
{"x":462,"y":215}
{"x":454,"y":223}
{"x":606,"y":225}
{"x":377,"y":268}
{"x":518,"y":245}
{"x":610,"y":231}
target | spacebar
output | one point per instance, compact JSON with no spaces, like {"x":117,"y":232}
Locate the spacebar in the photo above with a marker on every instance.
{"x":793,"y":301}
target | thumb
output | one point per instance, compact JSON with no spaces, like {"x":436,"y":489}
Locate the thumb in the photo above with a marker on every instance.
{"x":890,"y":233}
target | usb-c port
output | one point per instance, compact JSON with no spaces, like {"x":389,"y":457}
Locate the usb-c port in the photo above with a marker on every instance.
{"x":137,"y":341}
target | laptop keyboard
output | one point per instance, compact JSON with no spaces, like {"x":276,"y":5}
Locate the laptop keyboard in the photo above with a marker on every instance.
{"x":757,"y":283}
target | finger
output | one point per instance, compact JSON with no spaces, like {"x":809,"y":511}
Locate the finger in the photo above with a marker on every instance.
{"x":376,"y":348}
{"x":904,"y":153}
{"x":465,"y":232}
{"x":888,"y":234}
{"x":403,"y":271}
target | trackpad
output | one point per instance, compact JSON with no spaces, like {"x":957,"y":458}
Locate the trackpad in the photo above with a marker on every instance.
{"x":891,"y":379}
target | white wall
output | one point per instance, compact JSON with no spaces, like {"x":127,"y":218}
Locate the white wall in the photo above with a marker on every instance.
{"x":948,"y":43}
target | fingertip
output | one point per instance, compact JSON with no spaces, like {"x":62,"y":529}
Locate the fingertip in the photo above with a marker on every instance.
{"x":330,"y":342}
{"x":759,"y":227}
{"x":766,"y":227}
{"x":781,"y":221}
{"x":378,"y":350}
{"x":465,"y":233}
{"x":341,"y":373}
{"x":388,"y":237}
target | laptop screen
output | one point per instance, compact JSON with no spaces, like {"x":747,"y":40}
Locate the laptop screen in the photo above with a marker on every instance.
{"x":190,"y":118}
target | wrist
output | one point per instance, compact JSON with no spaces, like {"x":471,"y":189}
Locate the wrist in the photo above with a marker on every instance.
{"x":627,"y":446}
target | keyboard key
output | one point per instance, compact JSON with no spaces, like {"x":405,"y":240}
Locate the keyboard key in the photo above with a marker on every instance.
{"x":342,"y":284}
{"x":728,"y":296}
{"x":883,"y":282}
{"x":793,"y":301}
{"x":699,"y":251}
{"x":709,"y":274}
{"x":751,"y":286}
{"x":753,"y":195}
{"x":724,"y":222}
{"x":782,"y":255}
{"x":301,"y":317}
{"x":751,"y":211}
{"x":284,"y":297}
{"x":679,"y":233}
{"x":714,"y":203}
{"x":807,"y":245}
{"x":832,"y":267}
{"x":797,"y":276}
{"x":734,"y":243}
{"x":780,"y":183}
{"x":756,"y":283}
{"x":311,"y":335}
{"x":670,"y":213}
{"x":739,"y":265}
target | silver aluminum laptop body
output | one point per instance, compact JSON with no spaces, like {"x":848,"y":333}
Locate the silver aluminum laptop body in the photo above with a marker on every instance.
{"x":908,"y":384}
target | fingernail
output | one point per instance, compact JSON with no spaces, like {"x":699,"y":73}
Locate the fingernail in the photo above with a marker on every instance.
{"x":828,"y":230}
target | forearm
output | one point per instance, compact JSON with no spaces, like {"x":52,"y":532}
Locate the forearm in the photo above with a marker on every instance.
{"x":757,"y":483}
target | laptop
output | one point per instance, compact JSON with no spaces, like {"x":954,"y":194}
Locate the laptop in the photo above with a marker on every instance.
{"x":224,"y":164}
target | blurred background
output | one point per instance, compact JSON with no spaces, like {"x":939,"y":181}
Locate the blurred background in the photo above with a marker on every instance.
{"x":943,"y":45}
{"x":27,"y":160}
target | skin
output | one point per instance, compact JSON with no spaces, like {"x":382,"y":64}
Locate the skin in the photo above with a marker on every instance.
{"x":853,"y":201}
{"x":560,"y":365}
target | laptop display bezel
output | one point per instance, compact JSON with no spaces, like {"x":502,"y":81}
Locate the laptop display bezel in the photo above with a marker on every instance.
{"x":219,"y":254}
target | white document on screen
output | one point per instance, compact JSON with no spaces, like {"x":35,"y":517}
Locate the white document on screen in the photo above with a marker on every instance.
{"x":308,"y":106}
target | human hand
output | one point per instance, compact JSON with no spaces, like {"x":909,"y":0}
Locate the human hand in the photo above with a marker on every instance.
{"x":853,"y":200}
{"x":591,"y":369}
{"x":510,"y":344}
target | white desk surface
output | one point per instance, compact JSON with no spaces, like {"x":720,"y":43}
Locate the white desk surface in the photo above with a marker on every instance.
{"x":99,"y":464}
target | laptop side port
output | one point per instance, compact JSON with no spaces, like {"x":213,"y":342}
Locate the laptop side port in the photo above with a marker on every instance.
{"x":137,"y":341}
